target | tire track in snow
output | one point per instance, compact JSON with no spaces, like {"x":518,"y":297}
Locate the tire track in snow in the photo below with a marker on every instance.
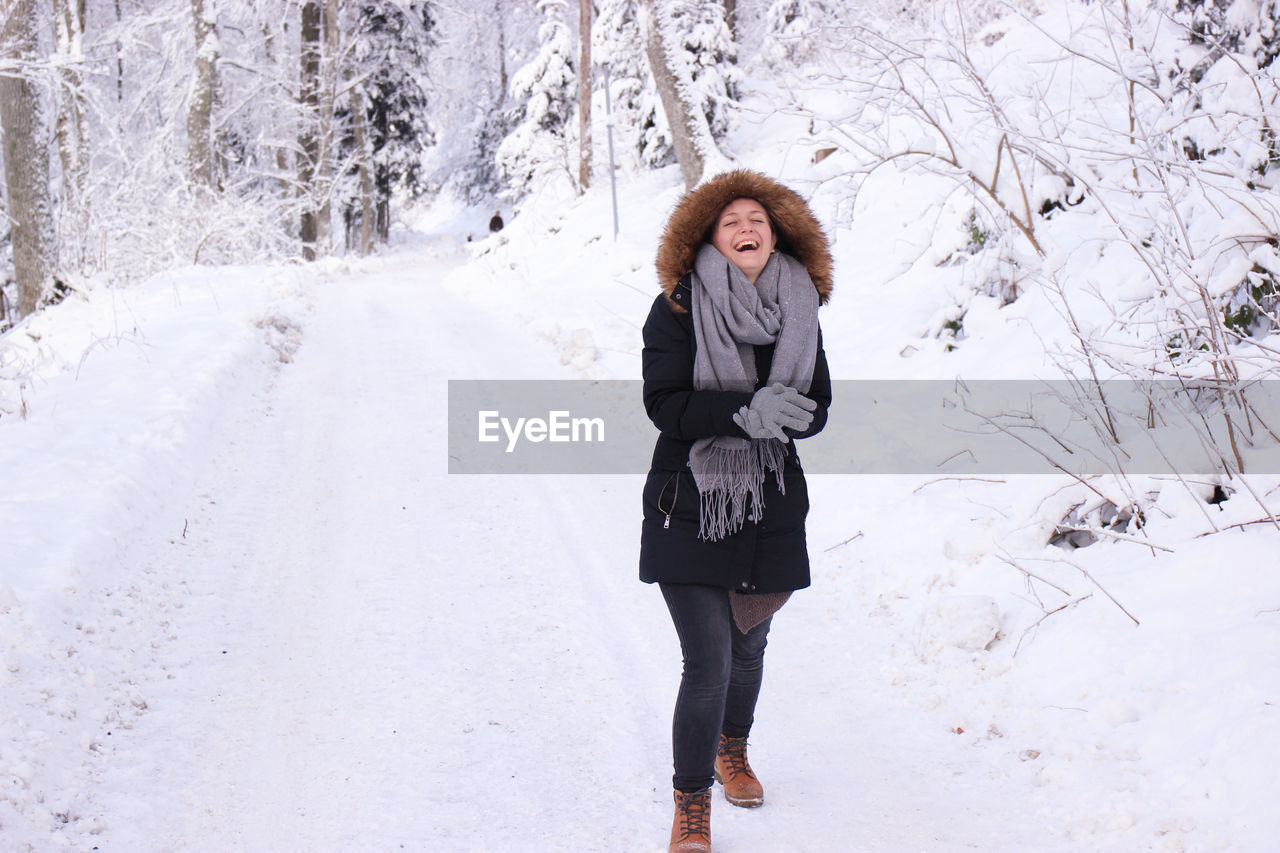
{"x":374,"y":654}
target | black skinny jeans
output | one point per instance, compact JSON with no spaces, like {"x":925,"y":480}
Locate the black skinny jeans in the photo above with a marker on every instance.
{"x":723,"y":668}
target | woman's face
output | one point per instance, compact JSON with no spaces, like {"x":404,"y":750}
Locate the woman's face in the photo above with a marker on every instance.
{"x":743,"y":235}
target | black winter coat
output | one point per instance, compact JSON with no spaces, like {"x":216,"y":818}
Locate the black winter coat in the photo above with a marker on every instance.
{"x":769,"y":556}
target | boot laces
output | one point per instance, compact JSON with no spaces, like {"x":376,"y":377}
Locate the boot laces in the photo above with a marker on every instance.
{"x":695,"y":814}
{"x":734,"y":751}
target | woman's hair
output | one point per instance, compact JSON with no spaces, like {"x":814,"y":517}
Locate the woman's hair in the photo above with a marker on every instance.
{"x":695,"y":216}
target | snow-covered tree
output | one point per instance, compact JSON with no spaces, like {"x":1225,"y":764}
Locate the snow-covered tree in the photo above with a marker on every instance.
{"x":389,"y":105}
{"x":639,"y":122}
{"x":790,"y":27}
{"x":471,"y":111}
{"x":691,"y":57}
{"x":711,"y":55}
{"x":584,"y":94}
{"x":144,"y":213}
{"x":537,"y":149}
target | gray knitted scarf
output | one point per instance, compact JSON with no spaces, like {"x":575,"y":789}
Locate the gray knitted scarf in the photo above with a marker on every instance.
{"x":730,"y":317}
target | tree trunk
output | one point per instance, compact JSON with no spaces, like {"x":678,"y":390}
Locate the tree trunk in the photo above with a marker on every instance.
{"x":584,"y":95}
{"x":328,"y":96}
{"x":382,"y":219}
{"x":364,"y":169}
{"x":682,"y":117}
{"x":119,"y":62}
{"x":502,"y":52}
{"x":308,"y":138}
{"x":731,"y":17}
{"x":72,"y":128}
{"x":283,"y":167}
{"x":200,"y":148}
{"x":26,"y":162}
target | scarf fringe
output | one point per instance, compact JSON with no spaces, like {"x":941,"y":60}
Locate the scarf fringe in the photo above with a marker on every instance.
{"x":732,"y":474}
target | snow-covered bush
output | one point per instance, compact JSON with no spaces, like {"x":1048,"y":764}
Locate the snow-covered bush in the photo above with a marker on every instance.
{"x":1247,"y":27}
{"x":1095,"y":132}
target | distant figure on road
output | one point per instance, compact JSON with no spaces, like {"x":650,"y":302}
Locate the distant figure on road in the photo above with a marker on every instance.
{"x":495,"y":224}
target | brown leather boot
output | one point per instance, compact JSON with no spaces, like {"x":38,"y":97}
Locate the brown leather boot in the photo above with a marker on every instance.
{"x":741,"y":787}
{"x":691,"y":829}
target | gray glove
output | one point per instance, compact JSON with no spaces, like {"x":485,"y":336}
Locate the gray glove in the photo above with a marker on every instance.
{"x":774,"y":408}
{"x":754,"y":427}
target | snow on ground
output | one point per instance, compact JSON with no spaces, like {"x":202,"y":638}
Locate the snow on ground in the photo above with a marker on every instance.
{"x":244,"y":606}
{"x":278,"y":623}
{"x":318,"y":639}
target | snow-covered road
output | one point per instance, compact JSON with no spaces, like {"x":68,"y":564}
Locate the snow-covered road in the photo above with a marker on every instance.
{"x":369,"y":653}
{"x":365,"y":653}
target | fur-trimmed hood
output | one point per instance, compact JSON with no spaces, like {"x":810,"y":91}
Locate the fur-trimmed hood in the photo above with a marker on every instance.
{"x":798,"y":231}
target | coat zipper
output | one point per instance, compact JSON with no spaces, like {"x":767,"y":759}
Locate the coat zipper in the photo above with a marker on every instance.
{"x":675,"y":496}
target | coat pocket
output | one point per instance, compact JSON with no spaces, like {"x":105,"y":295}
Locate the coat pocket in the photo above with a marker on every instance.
{"x":670,"y":500}
{"x":661,"y":496}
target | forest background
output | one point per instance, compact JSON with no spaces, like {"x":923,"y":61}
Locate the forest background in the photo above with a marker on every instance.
{"x":142,"y":136}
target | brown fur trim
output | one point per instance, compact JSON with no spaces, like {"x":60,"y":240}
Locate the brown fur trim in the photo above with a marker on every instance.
{"x":799,"y":233}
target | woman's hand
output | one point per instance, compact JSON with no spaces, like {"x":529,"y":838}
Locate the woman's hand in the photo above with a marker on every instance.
{"x":774,"y":408}
{"x":754,"y":427}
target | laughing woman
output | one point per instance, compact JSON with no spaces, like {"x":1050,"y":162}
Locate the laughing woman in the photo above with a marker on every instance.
{"x":734,"y":371}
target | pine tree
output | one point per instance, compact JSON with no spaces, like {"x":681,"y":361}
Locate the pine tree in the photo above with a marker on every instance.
{"x":700,"y":56}
{"x":537,"y":149}
{"x":388,"y":65}
{"x":692,"y":58}
{"x":712,"y":58}
{"x":790,"y":27}
{"x":639,"y":121}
